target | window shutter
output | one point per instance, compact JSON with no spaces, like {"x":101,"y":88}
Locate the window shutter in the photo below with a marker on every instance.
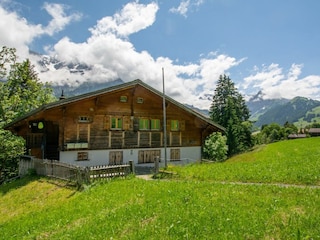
{"x":126,"y":123}
{"x":182,"y":125}
{"x":107,"y":122}
{"x":136,"y":124}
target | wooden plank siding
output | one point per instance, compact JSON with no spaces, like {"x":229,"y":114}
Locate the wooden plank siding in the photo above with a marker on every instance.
{"x":87,"y":122}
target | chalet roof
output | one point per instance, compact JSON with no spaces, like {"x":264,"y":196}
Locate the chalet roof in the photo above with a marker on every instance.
{"x":314,"y":130}
{"x":300,"y":135}
{"x":93,"y":94}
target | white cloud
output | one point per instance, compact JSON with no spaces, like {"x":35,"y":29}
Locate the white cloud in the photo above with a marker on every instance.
{"x":16,"y":31}
{"x":110,"y":55}
{"x":184,"y":7}
{"x":132,"y":18}
{"x":59,"y":18}
{"x":274,"y":83}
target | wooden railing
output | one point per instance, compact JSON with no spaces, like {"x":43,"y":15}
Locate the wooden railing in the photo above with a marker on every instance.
{"x":69,"y":172}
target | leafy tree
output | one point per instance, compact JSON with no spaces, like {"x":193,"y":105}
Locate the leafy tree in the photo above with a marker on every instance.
{"x":7,"y":58}
{"x":228,"y":108}
{"x":11,"y":147}
{"x":215,"y":147}
{"x":20,"y":92}
{"x":274,"y":132}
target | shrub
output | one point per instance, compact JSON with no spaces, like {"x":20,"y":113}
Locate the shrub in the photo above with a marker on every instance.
{"x":215,"y":147}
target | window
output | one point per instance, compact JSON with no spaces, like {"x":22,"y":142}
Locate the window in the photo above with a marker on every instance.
{"x":174,"y":125}
{"x":175,"y":155}
{"x":116,"y":123}
{"x":36,"y":126}
{"x":115,"y":158}
{"x":155,"y":124}
{"x":148,"y":156}
{"x":144,"y":124}
{"x":123,"y":99}
{"x":83,"y":119}
{"x":82,"y":156}
{"x":139,"y":100}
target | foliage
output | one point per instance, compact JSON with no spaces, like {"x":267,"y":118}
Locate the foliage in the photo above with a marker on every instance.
{"x":228,"y":109}
{"x":274,"y":132}
{"x":10,"y":148}
{"x":20,"y":93}
{"x":7,"y":57}
{"x":215,"y":147}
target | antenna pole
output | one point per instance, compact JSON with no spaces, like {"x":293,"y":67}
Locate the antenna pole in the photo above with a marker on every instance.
{"x":164,"y":122}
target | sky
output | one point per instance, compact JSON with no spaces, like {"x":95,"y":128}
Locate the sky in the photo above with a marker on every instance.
{"x":267,"y":45}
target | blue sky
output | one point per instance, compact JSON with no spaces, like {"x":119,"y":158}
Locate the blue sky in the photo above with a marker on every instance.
{"x":266,"y":45}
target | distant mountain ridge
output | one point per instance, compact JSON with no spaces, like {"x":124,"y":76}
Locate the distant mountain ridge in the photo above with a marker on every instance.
{"x":298,"y":109}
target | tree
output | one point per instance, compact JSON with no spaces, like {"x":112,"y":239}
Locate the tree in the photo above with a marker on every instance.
{"x":11,"y":147}
{"x":228,"y":108}
{"x":7,"y":57}
{"x":215,"y":147}
{"x":20,"y":92}
{"x":23,"y":91}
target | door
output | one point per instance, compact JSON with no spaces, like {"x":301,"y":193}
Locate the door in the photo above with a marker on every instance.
{"x":52,"y":141}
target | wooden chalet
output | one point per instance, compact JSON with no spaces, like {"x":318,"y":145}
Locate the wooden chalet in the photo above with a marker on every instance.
{"x":314,"y":132}
{"x":112,"y":126}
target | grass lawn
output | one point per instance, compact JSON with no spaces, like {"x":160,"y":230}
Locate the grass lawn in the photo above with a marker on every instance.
{"x":194,"y":206}
{"x":290,"y":162}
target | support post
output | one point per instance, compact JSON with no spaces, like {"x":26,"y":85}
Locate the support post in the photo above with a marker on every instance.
{"x":156,"y":164}
{"x":131,"y":163}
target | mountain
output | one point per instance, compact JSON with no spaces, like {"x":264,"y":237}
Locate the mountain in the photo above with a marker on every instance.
{"x":282,"y":110}
{"x":259,"y":106}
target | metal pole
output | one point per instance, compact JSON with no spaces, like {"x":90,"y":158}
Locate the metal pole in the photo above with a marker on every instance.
{"x":164,"y":122}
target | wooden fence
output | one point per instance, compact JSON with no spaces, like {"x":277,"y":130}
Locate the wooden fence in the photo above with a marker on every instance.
{"x":69,"y":172}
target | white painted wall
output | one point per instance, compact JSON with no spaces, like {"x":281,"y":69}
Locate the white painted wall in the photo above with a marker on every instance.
{"x":101,"y":157}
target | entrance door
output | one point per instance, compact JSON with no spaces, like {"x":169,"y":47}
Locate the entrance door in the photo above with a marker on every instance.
{"x":52,"y":141}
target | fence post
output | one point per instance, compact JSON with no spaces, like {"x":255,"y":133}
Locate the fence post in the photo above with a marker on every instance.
{"x":131,"y":163}
{"x":156,"y":165}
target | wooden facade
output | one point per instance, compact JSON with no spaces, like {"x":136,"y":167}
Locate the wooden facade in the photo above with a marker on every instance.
{"x":124,"y":117}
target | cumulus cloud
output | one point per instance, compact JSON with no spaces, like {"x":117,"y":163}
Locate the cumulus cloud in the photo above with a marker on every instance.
{"x":109,"y":55}
{"x":59,"y":18}
{"x":184,"y":7}
{"x":275,"y":83}
{"x":17,"y":32}
{"x":132,"y":18}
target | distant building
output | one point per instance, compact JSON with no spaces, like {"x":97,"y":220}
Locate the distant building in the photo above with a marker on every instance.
{"x":295,"y":136}
{"x":314,"y":132}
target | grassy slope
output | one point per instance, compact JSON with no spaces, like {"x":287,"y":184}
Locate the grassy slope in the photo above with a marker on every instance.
{"x":291,"y":162}
{"x":36,"y":208}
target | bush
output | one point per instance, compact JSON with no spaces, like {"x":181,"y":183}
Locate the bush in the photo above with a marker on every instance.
{"x":215,"y":147}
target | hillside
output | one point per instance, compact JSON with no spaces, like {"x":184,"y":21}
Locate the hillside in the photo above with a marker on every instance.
{"x":208,"y":200}
{"x":291,"y":111}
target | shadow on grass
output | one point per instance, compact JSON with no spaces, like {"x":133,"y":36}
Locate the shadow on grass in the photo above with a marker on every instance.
{"x":17,"y":183}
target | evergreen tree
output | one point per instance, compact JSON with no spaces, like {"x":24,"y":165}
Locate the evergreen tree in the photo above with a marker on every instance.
{"x":228,"y":108}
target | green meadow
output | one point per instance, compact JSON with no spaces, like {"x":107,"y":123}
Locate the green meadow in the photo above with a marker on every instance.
{"x":272,"y":192}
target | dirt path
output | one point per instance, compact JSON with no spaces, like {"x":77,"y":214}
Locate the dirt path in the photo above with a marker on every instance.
{"x":148,"y":177}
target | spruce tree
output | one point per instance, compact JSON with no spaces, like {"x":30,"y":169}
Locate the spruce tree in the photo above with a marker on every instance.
{"x":229,"y":109}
